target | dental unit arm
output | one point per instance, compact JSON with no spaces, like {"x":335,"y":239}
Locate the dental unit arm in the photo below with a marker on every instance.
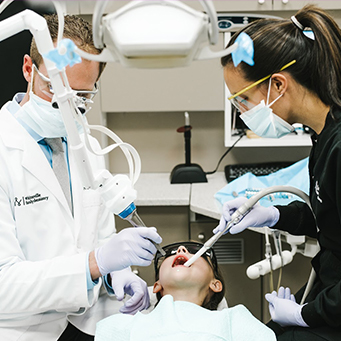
{"x":242,"y":211}
{"x":117,"y":191}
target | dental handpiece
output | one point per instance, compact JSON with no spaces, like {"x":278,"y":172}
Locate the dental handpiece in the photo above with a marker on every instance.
{"x":135,"y":220}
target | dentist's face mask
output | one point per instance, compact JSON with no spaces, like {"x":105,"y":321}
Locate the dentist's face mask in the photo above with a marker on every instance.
{"x":40,"y":115}
{"x":263,"y":122}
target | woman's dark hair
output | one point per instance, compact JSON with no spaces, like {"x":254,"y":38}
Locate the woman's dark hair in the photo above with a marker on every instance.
{"x":209,"y":303}
{"x":279,"y":41}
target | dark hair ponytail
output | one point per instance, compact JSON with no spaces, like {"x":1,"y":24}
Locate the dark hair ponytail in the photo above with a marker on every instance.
{"x":279,"y":41}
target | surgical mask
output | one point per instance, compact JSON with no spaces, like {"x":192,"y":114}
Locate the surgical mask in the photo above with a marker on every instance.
{"x":42,"y":118}
{"x":263,"y":122}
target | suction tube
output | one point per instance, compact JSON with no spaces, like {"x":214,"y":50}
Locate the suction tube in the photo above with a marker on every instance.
{"x":242,"y":211}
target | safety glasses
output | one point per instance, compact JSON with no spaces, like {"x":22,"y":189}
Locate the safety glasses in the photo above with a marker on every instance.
{"x":192,"y":247}
{"x":241,"y":103}
{"x":83,"y":98}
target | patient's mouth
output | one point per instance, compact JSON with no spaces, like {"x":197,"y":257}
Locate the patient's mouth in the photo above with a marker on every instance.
{"x":180,"y":260}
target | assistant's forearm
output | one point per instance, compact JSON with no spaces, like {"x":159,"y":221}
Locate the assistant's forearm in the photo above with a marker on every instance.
{"x":297,"y":219}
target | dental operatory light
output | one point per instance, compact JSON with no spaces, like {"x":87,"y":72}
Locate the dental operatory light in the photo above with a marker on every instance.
{"x":156,"y":34}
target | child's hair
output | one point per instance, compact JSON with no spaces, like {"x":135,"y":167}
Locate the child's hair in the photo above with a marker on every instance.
{"x":210,"y":303}
{"x":76,"y":29}
{"x":279,"y":41}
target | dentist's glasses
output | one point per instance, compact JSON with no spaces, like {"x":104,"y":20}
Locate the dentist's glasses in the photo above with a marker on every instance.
{"x":83,"y":98}
{"x":241,"y":103}
{"x":191,"y":247}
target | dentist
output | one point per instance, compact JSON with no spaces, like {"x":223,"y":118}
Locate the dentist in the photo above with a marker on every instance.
{"x":296,"y":78}
{"x":59,"y":245}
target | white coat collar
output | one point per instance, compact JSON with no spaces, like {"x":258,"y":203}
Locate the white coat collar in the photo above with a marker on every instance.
{"x":16,"y":137}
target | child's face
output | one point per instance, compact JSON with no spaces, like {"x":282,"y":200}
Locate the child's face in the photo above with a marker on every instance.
{"x":173,"y":275}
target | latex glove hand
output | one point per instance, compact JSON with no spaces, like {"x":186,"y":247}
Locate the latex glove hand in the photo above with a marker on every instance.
{"x":283,"y":308}
{"x":126,"y":282}
{"x":128,"y":247}
{"x":258,"y":216}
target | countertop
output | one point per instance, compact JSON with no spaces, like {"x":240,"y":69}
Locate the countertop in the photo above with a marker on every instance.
{"x":155,"y":189}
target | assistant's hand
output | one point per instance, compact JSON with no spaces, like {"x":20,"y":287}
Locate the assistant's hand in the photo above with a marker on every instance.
{"x":126,"y":282}
{"x":283,"y":308}
{"x":258,"y":216}
{"x":131,"y":246}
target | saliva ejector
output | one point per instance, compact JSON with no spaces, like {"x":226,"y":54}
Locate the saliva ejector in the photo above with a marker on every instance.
{"x":241,"y":212}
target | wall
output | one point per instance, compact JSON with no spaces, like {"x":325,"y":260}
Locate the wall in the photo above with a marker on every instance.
{"x":161,"y":147}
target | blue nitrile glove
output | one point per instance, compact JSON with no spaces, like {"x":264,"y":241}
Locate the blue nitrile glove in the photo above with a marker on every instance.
{"x":258,"y":216}
{"x":128,"y":247}
{"x":126,"y":282}
{"x":283,"y":308}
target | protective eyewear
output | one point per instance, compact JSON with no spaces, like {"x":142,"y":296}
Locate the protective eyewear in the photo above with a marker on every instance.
{"x":242,"y":104}
{"x":83,"y":98}
{"x":192,"y":247}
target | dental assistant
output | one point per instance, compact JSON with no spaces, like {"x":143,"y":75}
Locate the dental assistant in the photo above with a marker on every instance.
{"x":296,"y":78}
{"x":57,"y":250}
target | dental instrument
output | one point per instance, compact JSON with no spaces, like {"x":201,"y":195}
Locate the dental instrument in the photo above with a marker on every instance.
{"x":268,"y":256}
{"x":134,"y":219}
{"x":278,"y":246}
{"x":263,"y":267}
{"x":242,"y":211}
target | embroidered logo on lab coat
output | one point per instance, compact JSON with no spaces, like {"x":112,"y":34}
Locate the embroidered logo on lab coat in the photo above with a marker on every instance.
{"x":30,"y":199}
{"x":317,"y":191}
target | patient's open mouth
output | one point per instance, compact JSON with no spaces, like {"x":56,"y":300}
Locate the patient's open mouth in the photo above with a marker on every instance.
{"x":179,"y":260}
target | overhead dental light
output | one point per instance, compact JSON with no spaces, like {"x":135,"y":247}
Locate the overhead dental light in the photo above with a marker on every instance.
{"x":156,"y":34}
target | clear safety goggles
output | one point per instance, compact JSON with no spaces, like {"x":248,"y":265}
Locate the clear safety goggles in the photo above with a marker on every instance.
{"x":83,"y":98}
{"x":243,"y":104}
{"x":191,"y":247}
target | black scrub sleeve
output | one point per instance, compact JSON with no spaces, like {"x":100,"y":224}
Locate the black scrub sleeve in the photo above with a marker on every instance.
{"x":324,"y":306}
{"x":297,"y":219}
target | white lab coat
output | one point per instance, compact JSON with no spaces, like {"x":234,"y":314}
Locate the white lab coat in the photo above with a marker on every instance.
{"x":43,"y":250}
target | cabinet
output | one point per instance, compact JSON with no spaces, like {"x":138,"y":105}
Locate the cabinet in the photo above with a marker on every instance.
{"x":290,"y":5}
{"x":87,"y":7}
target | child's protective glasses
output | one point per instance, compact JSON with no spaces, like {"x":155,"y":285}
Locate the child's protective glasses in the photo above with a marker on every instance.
{"x":242,"y":104}
{"x":192,"y":247}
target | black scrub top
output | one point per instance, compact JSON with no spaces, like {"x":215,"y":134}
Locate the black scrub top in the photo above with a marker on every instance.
{"x":324,"y":300}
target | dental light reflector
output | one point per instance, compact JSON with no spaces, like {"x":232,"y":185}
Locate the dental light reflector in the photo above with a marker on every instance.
{"x":156,"y":34}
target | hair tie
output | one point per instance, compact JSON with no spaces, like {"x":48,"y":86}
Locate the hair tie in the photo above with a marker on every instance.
{"x":305,"y":30}
{"x":297,"y":23}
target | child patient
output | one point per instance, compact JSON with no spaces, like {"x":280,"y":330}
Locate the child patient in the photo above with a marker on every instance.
{"x":188,"y":298}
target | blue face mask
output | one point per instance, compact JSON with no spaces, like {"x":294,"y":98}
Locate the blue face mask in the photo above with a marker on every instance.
{"x":42,"y":118}
{"x":263,"y":122}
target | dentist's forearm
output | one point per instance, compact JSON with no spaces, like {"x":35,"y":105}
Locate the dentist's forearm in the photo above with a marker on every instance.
{"x":94,"y":270}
